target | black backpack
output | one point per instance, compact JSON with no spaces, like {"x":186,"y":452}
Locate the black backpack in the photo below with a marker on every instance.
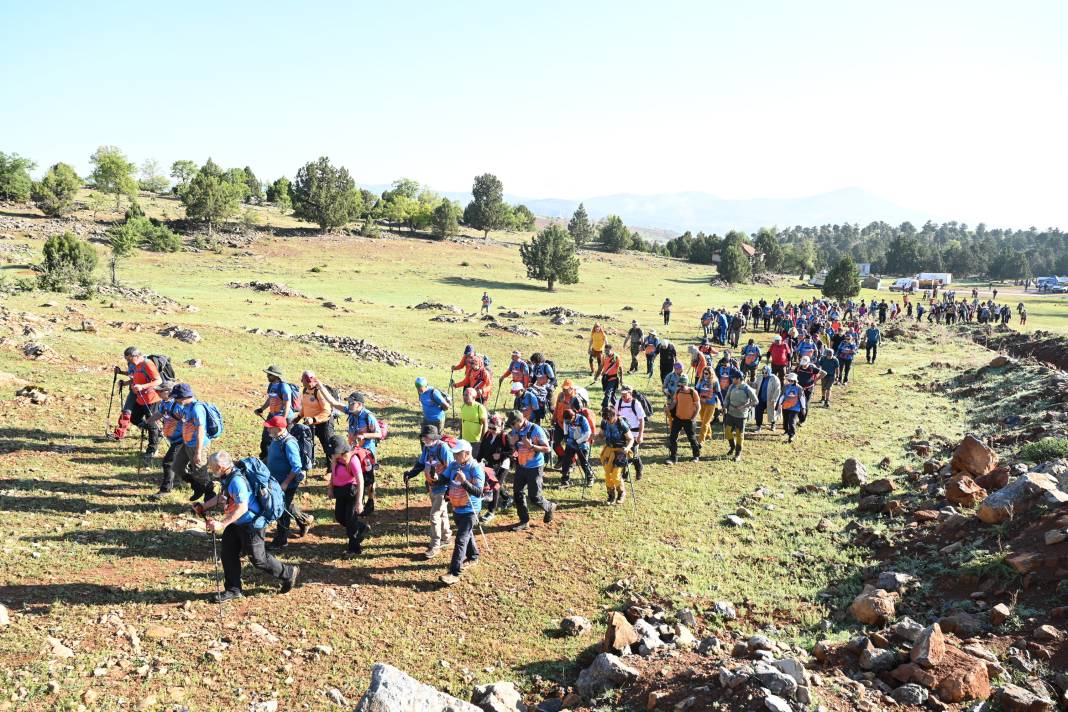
{"x":165,"y":368}
{"x":642,"y":401}
{"x":552,"y":365}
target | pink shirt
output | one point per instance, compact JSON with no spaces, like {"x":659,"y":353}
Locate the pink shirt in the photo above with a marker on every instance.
{"x":344,"y":475}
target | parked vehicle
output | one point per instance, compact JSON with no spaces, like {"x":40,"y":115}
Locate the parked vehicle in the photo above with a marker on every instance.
{"x":905,"y":284}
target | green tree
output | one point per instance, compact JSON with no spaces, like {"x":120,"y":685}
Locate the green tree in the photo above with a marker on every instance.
{"x":522,"y":218}
{"x":98,"y":202}
{"x":842,"y":281}
{"x":15,"y":182}
{"x":398,"y":209}
{"x":209,"y":198}
{"x":614,"y":235}
{"x":734,"y":266}
{"x":767,"y":243}
{"x":579,"y":227}
{"x":281,"y":194}
{"x":446,"y":219}
{"x":486,"y":210}
{"x":405,"y":187}
{"x":550,"y":257}
{"x":67,"y":260}
{"x":182,"y":172}
{"x":124,"y":240}
{"x":254,"y":185}
{"x":54,"y":194}
{"x":325,"y":195}
{"x":152,"y":179}
{"x":237,"y":178}
{"x":112,"y":173}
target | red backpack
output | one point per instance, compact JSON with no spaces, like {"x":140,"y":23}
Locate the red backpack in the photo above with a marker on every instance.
{"x":366,"y":458}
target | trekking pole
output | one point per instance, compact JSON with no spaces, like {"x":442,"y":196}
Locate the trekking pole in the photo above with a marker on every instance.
{"x":633,"y":483}
{"x":215,"y":560}
{"x":407,"y":515}
{"x":485,"y":540}
{"x":140,"y":450}
{"x":497,"y":397}
{"x":111,"y":402}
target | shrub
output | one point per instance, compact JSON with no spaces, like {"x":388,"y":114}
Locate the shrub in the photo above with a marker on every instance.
{"x":370,"y":228}
{"x":1044,"y":450}
{"x":68,"y":260}
{"x":252,"y":218}
{"x":54,"y":194}
{"x":161,"y":239}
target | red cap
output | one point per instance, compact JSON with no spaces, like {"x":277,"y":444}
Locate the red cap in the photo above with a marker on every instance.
{"x":276,"y":421}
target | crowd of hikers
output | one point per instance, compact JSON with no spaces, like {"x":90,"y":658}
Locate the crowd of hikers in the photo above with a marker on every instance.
{"x":493,"y":456}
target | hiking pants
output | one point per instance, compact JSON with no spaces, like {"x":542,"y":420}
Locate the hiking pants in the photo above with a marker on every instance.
{"x":773,"y":414}
{"x":789,"y":422}
{"x":465,"y":548}
{"x":439,"y":519}
{"x":167,"y":484}
{"x":281,"y":534}
{"x":708,"y":411}
{"x":598,"y":358}
{"x":803,"y":416}
{"x":439,"y":423}
{"x":636,"y":455}
{"x":649,"y":358}
{"x":500,"y":500}
{"x":734,"y":338}
{"x":140,"y":415}
{"x":633,"y":361}
{"x":767,"y":323}
{"x":528,"y":482}
{"x":667,"y":317}
{"x":779,"y":371}
{"x":610,"y":385}
{"x":238,"y":539}
{"x":682,"y":425}
{"x":322,"y":431}
{"x":582,"y":454}
{"x":750,"y":372}
{"x":843,"y":375}
{"x":825,"y":389}
{"x":734,"y":430}
{"x":265,"y":441}
{"x":195,"y":473}
{"x":345,"y":515}
{"x":871,"y":351}
{"x":612,"y":471}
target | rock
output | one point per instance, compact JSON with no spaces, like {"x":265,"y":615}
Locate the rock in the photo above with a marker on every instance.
{"x":854,"y":474}
{"x":324,"y":649}
{"x":881,"y":486}
{"x":498,"y":697}
{"x":194,"y":363}
{"x":654,"y":699}
{"x":877,"y":659}
{"x":973,"y":457}
{"x":871,"y":503}
{"x":873,"y":606}
{"x":734,"y":520}
{"x":777,"y":704}
{"x":159,"y":632}
{"x":744,"y":513}
{"x":793,"y":668}
{"x":775,"y":680}
{"x":35,"y":394}
{"x":999,"y":361}
{"x":650,"y":637}
{"x":59,"y":650}
{"x":685,"y":703}
{"x":1048,"y":634}
{"x":910,"y":694}
{"x":1012,"y":698}
{"x":606,"y":672}
{"x":1055,"y":536}
{"x":392,"y":690}
{"x":213,"y":656}
{"x":38,"y":352}
{"x":1000,"y":613}
{"x":907,"y":629}
{"x":575,"y":625}
{"x":893,"y":581}
{"x":264,"y":706}
{"x":1019,"y":496}
{"x":686,"y":617}
{"x":334,"y":695}
{"x":929,"y":647}
{"x":993,"y":481}
{"x":759,"y":642}
{"x":961,"y":624}
{"x":5,"y":618}
{"x":619,"y":635}
{"x":962,"y":490}
{"x":962,"y":677}
{"x":725,"y":610}
{"x":683,"y":637}
{"x":188,"y":336}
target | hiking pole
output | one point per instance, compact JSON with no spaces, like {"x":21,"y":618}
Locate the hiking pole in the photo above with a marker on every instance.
{"x":407,"y":515}
{"x":633,"y":483}
{"x":140,"y":450}
{"x":478,"y":522}
{"x":111,"y":402}
{"x":215,"y":559}
{"x":497,"y":397}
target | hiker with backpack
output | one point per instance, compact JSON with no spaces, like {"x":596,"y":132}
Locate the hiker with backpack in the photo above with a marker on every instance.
{"x":617,"y":441}
{"x":668,"y":357}
{"x":486,"y":302}
{"x":651,"y":346}
{"x":434,"y":403}
{"x":750,"y":360}
{"x":473,"y":418}
{"x":563,"y":401}
{"x":578,"y":433}
{"x":142,"y":400}
{"x":595,"y":350}
{"x":708,"y":391}
{"x":282,"y":399}
{"x":288,"y":469}
{"x":633,"y":410}
{"x":518,"y":370}
{"x":495,"y":453}
{"x":634,"y":339}
{"x":611,"y":375}
{"x":530,"y":445}
{"x":434,"y":457}
{"x":685,"y":406}
{"x":665,"y":309}
{"x":738,"y":402}
{"x":170,"y":414}
{"x":345,"y":487}
{"x":791,"y":403}
{"x":201,"y":423}
{"x":477,"y":378}
{"x":317,"y":413}
{"x":464,"y":480}
{"x":364,"y":434}
{"x":250,"y":503}
{"x":768,"y":390}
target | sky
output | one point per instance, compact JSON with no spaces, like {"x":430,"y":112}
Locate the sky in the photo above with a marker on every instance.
{"x":952,"y":108}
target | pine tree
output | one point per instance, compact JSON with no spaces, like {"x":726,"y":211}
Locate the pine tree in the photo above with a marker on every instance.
{"x":615,"y":237}
{"x":325,"y":194}
{"x":550,"y":256}
{"x":734,"y":266}
{"x":842,"y":281}
{"x":579,"y":227}
{"x":54,"y":194}
{"x":486,"y":211}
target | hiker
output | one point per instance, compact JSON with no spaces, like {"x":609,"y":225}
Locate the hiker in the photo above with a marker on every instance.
{"x":738,"y":401}
{"x":473,"y":418}
{"x":668,"y":357}
{"x":883,"y":307}
{"x":708,"y":391}
{"x":466,"y":360}
{"x":685,"y":406}
{"x":872,"y":336}
{"x":807,"y":375}
{"x":364,"y":431}
{"x":699,"y":362}
{"x":779,"y":356}
{"x":651,"y":346}
{"x":478,"y":378}
{"x":486,"y":301}
{"x":595,"y":350}
{"x":242,"y":526}
{"x":317,"y":414}
{"x":805,"y":348}
{"x":495,"y":453}
{"x":635,"y":338}
{"x":750,"y":359}
{"x":829,"y":365}
{"x":280,"y":401}
{"x":665,"y":309}
{"x":610,"y":375}
{"x":434,"y":457}
{"x":792,"y":403}
{"x":464,"y":480}
{"x":142,"y":401}
{"x":722,"y":327}
{"x":170,"y":414}
{"x":768,"y":391}
{"x":618,"y":438}
{"x":671,"y":384}
{"x":734,"y":331}
{"x":846,"y":351}
{"x":632,"y":412}
{"x":577,"y":436}
{"x":530,"y":445}
{"x":525,"y":401}
{"x":563,"y":401}
{"x":285,"y":465}
{"x":191,"y":460}
{"x":518,"y":370}
{"x":1023,"y":315}
{"x":345,"y":487}
{"x":435,"y":404}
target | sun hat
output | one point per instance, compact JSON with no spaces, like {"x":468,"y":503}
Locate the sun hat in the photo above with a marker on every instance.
{"x":461,"y":446}
{"x":273,"y":370}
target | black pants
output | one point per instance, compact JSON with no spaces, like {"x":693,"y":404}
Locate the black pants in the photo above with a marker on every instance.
{"x":139,"y":416}
{"x":265,"y":441}
{"x":779,"y":371}
{"x":803,"y":416}
{"x":528,"y":482}
{"x":667,"y":317}
{"x":680,"y":425}
{"x":761,"y":408}
{"x":465,"y":548}
{"x":501,"y":499}
{"x":767,"y":323}
{"x":610,"y":385}
{"x":322,"y":431}
{"x":237,"y":540}
{"x":734,"y":337}
{"x":789,"y":422}
{"x":167,"y":484}
{"x":649,"y":358}
{"x":635,"y":456}
{"x":633,"y":361}
{"x":345,"y":515}
{"x":582,"y":454}
{"x":843,"y":375}
{"x":285,"y":522}
{"x":871,"y":351}
{"x":185,"y":468}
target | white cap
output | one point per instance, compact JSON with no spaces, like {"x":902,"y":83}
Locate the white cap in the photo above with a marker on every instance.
{"x":462,"y":446}
{"x":516,"y":387}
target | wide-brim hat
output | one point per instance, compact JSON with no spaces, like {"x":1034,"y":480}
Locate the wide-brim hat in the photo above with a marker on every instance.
{"x":273,"y":370}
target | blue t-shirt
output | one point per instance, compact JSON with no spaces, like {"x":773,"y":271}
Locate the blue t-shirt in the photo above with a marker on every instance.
{"x":539,"y":369}
{"x":434,"y":405}
{"x":872,"y":335}
{"x":463,"y":502}
{"x":364,"y":422}
{"x":239,"y":492}
{"x":805,"y":348}
{"x":846,"y":351}
{"x":528,"y":402}
{"x":281,"y":391}
{"x":194,"y":417}
{"x":434,"y":455}
{"x":283,"y":459}
{"x":578,"y":428}
{"x":537,"y":436}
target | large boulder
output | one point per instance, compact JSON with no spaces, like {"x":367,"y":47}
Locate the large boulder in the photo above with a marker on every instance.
{"x":498,"y":697}
{"x":958,"y":677}
{"x":392,"y":690}
{"x":929,"y":647}
{"x":1013,"y":698}
{"x":606,"y":672}
{"x":973,"y":457}
{"x":620,"y":634}
{"x":1019,"y":496}
{"x":963,"y":491}
{"x":854,"y":474}
{"x":873,"y":606}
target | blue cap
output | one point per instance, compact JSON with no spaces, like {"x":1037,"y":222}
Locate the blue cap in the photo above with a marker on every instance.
{"x":420,"y":382}
{"x":468,"y":350}
{"x":735,"y":373}
{"x":182,"y":390}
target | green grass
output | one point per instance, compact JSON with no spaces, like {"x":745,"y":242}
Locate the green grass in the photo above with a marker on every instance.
{"x":81,"y":541}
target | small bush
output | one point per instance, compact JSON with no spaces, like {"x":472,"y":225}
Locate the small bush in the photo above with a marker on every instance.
{"x":1044,"y":450}
{"x":68,"y":260}
{"x":161,"y":239}
{"x":317,"y":269}
{"x":370,"y":228}
{"x":252,"y":218}
{"x":54,"y":194}
{"x":134,"y":211}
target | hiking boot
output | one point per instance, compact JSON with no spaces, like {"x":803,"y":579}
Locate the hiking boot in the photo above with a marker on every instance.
{"x":589,"y":482}
{"x":369,"y":508}
{"x":695,"y":458}
{"x":304,"y":525}
{"x":549,"y":513}
{"x":487,"y":517}
{"x":357,"y":550}
{"x":671,"y":461}
{"x":470,"y":563}
{"x":432,"y":552}
{"x":450,"y":579}
{"x":565,"y":483}
{"x":732,"y":450}
{"x":521,"y":527}
{"x":227,"y":595}
{"x":277,"y":545}
{"x":737,"y":456}
{"x":290,"y":581}
{"x":621,"y":494}
{"x":611,"y":496}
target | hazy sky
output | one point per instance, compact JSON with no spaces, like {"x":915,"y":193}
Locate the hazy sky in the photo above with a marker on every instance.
{"x":957,"y":108}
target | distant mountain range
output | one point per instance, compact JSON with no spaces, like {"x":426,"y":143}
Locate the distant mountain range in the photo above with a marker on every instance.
{"x":666,"y":214}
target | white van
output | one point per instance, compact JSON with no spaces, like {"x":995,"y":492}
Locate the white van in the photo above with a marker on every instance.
{"x":905,"y":284}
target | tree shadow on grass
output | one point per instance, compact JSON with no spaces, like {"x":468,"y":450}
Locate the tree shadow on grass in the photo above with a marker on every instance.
{"x":139,"y":543}
{"x":487,"y":284}
{"x":38,"y":599}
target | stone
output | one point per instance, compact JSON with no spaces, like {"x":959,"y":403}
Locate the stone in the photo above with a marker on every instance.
{"x":1055,"y":536}
{"x":854,"y":474}
{"x":686,"y":617}
{"x":392,"y":690}
{"x":683,"y":637}
{"x":264,"y":706}
{"x":335,"y":695}
{"x":910,"y":694}
{"x":194,"y":363}
{"x":893,"y":581}
{"x":734,"y":520}
{"x":973,"y":457}
{"x":793,"y":668}
{"x":877,"y":660}
{"x":993,"y":481}
{"x":619,"y":635}
{"x":1000,"y":613}
{"x":725,"y":610}
{"x":606,"y":672}
{"x":1000,"y":361}
{"x":654,"y":699}
{"x":963,"y":491}
{"x":1012,"y":698}
{"x":5,"y":617}
{"x":961,"y":624}
{"x":906,"y":629}
{"x":873,"y":606}
{"x":929,"y":648}
{"x":759,"y":642}
{"x":158,"y":632}
{"x":964,"y":678}
{"x":881,"y":486}
{"x":744,"y":513}
{"x":1048,"y":634}
{"x":575,"y":625}
{"x":1019,"y":496}
{"x":498,"y":697}
{"x":774,"y":703}
{"x":650,"y":637}
{"x":324,"y":649}
{"x":59,"y":650}
{"x":775,"y":680}
{"x":685,"y":703}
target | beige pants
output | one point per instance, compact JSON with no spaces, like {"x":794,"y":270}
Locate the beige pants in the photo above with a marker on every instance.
{"x":439,"y":520}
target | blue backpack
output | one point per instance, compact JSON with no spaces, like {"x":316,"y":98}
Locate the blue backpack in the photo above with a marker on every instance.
{"x":265,"y":489}
{"x":214,"y":427}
